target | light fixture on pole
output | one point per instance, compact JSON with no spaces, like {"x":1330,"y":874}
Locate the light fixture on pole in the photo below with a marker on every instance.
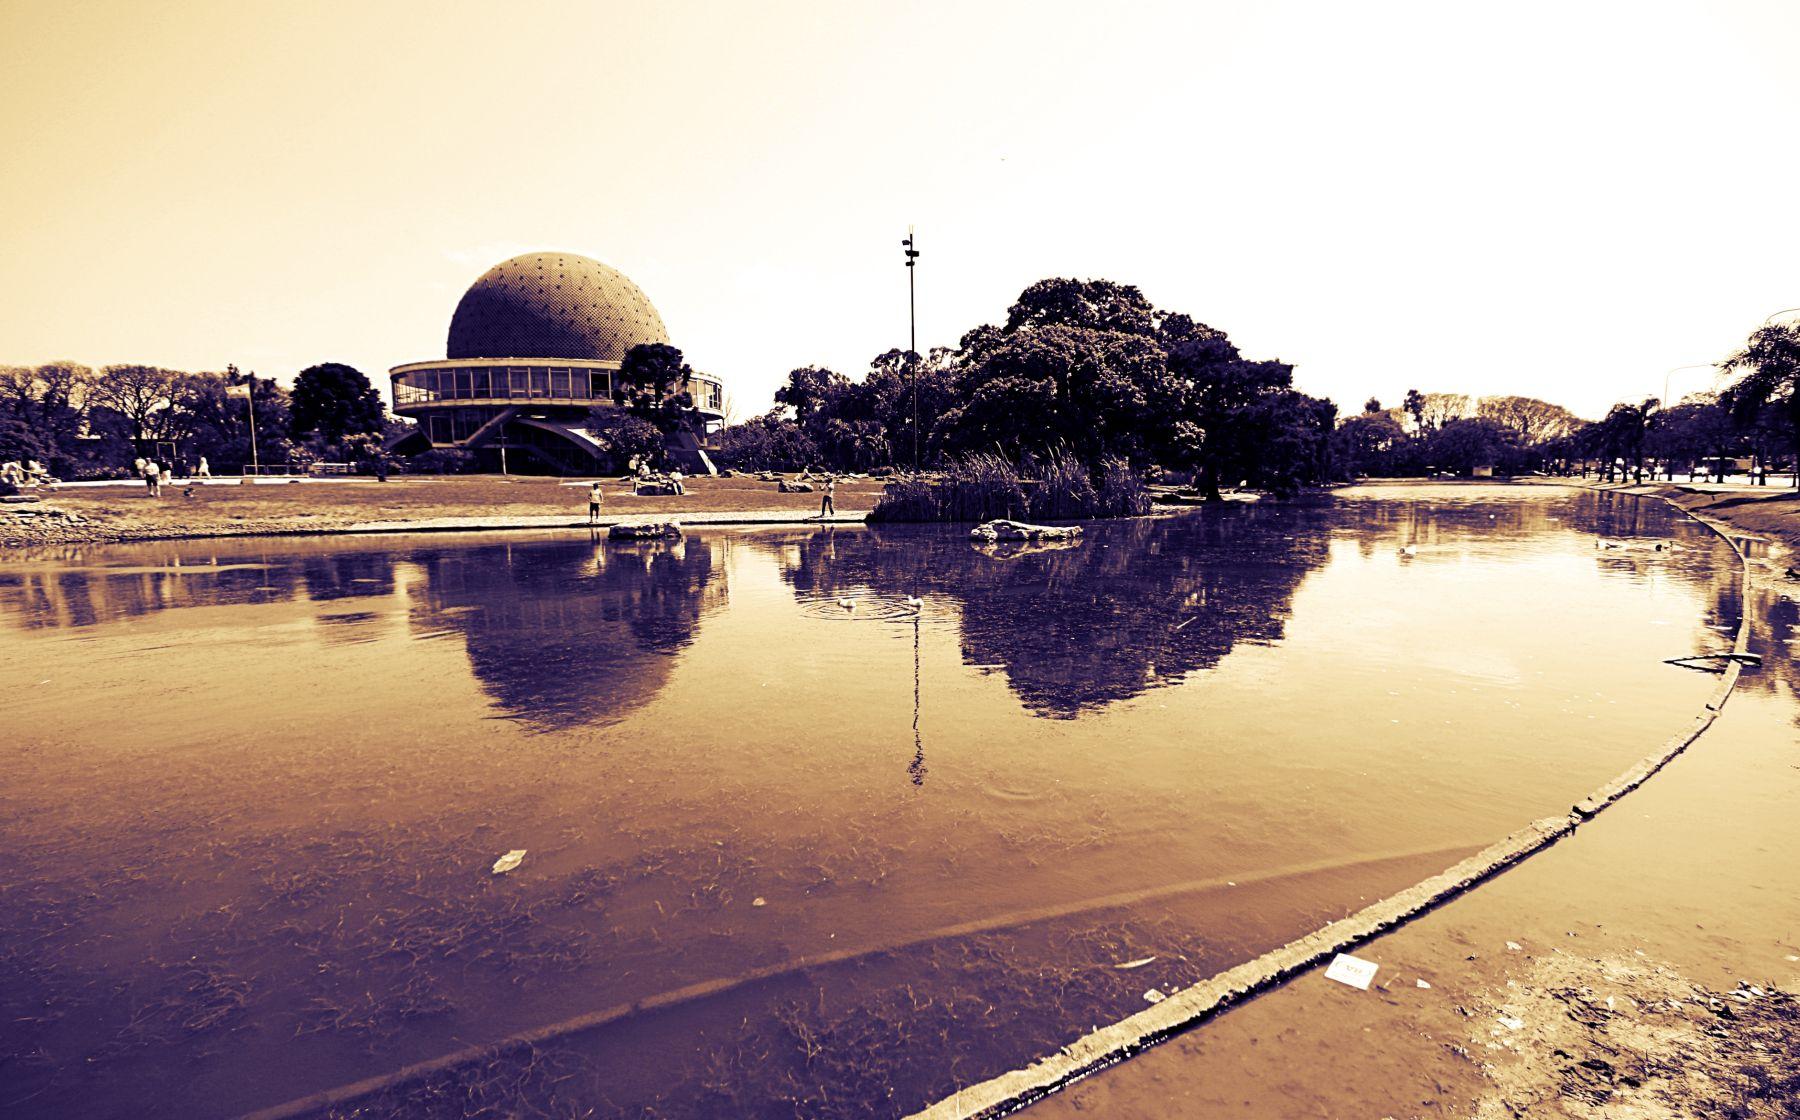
{"x":1664,"y":399}
{"x":912,"y":338}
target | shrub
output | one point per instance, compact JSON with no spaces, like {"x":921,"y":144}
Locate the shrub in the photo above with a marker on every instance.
{"x":441,"y":460}
{"x":978,"y":488}
{"x":1121,"y":492}
{"x":1064,"y":492}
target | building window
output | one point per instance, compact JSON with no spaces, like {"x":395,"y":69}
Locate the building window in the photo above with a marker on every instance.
{"x":519,"y":381}
{"x":559,"y":384}
{"x":540,"y":382}
{"x":479,"y":384}
{"x":600,"y":384}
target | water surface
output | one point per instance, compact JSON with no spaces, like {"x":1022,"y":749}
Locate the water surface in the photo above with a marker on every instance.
{"x":254,"y":788}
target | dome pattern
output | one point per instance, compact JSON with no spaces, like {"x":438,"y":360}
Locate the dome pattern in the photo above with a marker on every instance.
{"x":553,"y":305}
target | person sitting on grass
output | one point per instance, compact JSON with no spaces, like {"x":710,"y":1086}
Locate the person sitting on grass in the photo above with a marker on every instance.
{"x":676,"y":483}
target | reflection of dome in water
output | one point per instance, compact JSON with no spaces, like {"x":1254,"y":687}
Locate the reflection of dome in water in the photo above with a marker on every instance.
{"x":553,"y":305}
{"x":560,"y":645}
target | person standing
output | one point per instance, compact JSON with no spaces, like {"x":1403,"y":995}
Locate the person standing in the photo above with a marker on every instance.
{"x":205,"y":471}
{"x":153,"y":478}
{"x":827,"y":500}
{"x":595,"y":497}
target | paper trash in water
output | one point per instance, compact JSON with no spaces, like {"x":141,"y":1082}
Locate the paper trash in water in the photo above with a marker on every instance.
{"x":1354,"y":971}
{"x":509,"y":861}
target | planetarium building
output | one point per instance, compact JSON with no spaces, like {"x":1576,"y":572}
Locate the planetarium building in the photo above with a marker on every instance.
{"x":536,"y":343}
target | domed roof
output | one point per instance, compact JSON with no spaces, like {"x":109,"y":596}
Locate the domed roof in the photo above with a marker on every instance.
{"x":552,"y":305}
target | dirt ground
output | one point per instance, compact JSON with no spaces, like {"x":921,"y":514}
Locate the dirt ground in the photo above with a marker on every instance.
{"x":127,"y":512}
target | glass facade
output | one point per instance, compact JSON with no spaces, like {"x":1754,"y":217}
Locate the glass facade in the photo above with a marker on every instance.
{"x":476,"y":383}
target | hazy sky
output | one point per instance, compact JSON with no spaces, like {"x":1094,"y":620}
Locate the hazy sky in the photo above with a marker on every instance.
{"x":1558,"y":199}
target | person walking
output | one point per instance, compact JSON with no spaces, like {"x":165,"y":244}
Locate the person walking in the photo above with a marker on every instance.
{"x":205,"y":471}
{"x":595,"y":497}
{"x":827,"y":500}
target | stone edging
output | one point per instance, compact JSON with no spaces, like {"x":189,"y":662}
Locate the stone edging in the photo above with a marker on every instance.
{"x":1191,"y":1006}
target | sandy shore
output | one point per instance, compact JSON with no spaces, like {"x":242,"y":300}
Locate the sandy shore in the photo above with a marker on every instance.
{"x":126,"y":512}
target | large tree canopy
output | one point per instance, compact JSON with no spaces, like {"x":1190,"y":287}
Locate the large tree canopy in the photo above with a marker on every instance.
{"x":334,"y":401}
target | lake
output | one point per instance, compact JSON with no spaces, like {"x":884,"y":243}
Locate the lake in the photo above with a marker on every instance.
{"x":794,"y":847}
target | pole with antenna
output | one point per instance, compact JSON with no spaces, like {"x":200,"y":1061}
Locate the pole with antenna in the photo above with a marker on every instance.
{"x":912,"y":337}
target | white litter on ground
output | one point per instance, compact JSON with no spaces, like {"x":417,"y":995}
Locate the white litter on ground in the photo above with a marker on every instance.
{"x":509,"y":861}
{"x":1354,"y":971}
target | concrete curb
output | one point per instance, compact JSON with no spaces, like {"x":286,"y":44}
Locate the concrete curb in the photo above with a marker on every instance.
{"x":1191,"y":1006}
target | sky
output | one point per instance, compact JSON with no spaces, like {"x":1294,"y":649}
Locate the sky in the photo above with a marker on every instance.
{"x":1563,"y":200}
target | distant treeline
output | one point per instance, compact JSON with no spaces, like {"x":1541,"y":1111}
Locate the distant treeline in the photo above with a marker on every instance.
{"x":1755,"y":418}
{"x":81,"y":423}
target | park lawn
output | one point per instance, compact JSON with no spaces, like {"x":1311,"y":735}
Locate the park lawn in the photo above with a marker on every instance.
{"x":326,"y":504}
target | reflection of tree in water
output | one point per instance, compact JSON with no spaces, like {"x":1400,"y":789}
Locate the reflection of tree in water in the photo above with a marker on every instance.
{"x":565,"y":634}
{"x":44,"y":598}
{"x":1137,"y":604}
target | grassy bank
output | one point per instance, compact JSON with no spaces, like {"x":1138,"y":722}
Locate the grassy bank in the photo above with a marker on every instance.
{"x":127,"y":512}
{"x":984,"y":487}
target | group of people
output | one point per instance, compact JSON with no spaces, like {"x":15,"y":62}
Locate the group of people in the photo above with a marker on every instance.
{"x":675,"y":480}
{"x":29,"y":473}
{"x":158,"y":474}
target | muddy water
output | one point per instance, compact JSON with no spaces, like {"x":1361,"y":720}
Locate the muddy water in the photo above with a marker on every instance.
{"x":253,"y":790}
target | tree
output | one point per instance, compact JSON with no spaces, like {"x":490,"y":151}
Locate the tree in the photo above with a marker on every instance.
{"x":630,"y":438}
{"x":1621,"y":436}
{"x":143,"y":397}
{"x":1415,"y":407}
{"x":1364,"y":445}
{"x":1532,"y":420}
{"x":808,"y":389}
{"x":1091,"y":304}
{"x":1058,"y":386}
{"x":1697,"y":429}
{"x":650,"y":384}
{"x":50,"y":401}
{"x":218,"y":424}
{"x":767,"y":442}
{"x":333,"y":401}
{"x":1220,"y":393}
{"x":1373,"y":404}
{"x":1770,"y":361}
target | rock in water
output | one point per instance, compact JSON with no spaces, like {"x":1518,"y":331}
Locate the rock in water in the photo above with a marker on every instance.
{"x":644,"y":531}
{"x":992,"y":531}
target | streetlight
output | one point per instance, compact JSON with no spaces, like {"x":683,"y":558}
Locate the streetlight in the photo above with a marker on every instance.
{"x":912,"y":337}
{"x":1664,"y":399}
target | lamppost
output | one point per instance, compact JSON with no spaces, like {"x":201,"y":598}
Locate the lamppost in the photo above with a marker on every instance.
{"x":1664,"y":399}
{"x":1663,"y":402}
{"x":912,"y":337}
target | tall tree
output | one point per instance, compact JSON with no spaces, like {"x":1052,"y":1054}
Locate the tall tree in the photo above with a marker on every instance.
{"x":808,"y":388}
{"x":143,"y":397}
{"x":651,"y":382}
{"x":1770,"y":366}
{"x":333,"y":401}
{"x":1532,"y":420}
{"x":1415,"y":407}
